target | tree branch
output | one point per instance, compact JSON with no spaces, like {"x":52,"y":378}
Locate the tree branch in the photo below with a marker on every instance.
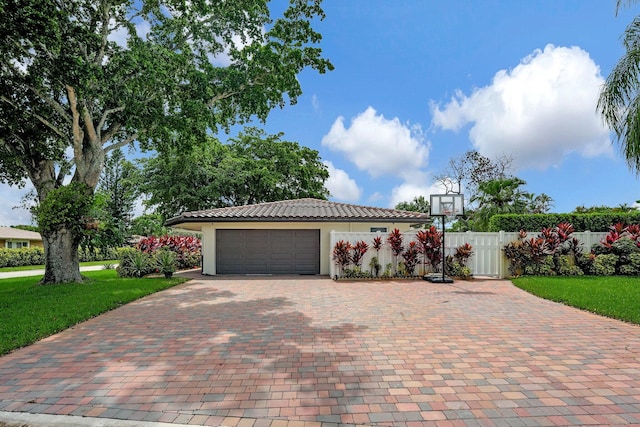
{"x":221,"y":97}
{"x":106,"y":114}
{"x":104,"y":33}
{"x":110,"y":133}
{"x":50,"y":125}
{"x":122,"y":143}
{"x":88,"y":124}
{"x":39,"y":117}
{"x":77,"y":131}
{"x":53,"y":103}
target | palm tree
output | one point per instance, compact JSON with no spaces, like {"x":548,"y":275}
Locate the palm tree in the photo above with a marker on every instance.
{"x":500,"y":196}
{"x":540,"y":204}
{"x":619,"y":101}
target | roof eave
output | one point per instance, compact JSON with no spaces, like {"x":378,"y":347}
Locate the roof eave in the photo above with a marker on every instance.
{"x":181,"y":220}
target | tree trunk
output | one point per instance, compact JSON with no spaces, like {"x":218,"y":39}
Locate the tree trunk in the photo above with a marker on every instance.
{"x":62,"y":264}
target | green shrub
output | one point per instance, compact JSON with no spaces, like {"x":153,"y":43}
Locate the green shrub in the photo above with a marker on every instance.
{"x":604,"y":265}
{"x":544,"y":267}
{"x":98,"y":254}
{"x":21,"y":257}
{"x":566,"y":266}
{"x":135,"y":263}
{"x":355,"y":273}
{"x":580,"y":222}
{"x":456,"y":269}
{"x":518,"y":256}
{"x":165,"y":261}
{"x":624,"y":247}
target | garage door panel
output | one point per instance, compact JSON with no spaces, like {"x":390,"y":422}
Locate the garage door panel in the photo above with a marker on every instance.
{"x":268,"y":251}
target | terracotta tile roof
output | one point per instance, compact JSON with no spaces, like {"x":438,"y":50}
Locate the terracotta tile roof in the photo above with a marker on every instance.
{"x":18,"y":234}
{"x":300,"y":210}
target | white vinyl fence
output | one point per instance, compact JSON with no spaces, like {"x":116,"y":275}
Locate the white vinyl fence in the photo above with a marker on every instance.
{"x":487,"y":258}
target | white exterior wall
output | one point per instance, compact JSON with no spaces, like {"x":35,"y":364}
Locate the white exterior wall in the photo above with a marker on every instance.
{"x":209,"y":236}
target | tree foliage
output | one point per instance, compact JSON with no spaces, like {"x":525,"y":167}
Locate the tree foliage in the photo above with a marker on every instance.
{"x":500,"y":196}
{"x":148,"y":225}
{"x":66,"y":208}
{"x":467,"y":172}
{"x":251,"y":168}
{"x":113,"y":206}
{"x":80,"y":78}
{"x":418,"y":204}
{"x":605,"y":209}
{"x":619,"y":101}
{"x":118,"y":185}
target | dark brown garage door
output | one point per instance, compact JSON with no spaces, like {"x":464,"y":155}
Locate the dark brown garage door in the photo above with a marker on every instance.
{"x":268,"y":251}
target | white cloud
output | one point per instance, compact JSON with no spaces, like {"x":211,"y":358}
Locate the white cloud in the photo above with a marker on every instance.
{"x":340,"y":185}
{"x":407,"y":191}
{"x":375,"y":197}
{"x":10,"y":212}
{"x":540,"y":111}
{"x":379,"y":146}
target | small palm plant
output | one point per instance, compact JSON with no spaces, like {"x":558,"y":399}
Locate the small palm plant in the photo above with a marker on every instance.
{"x":166,"y":262}
{"x":136,"y":264}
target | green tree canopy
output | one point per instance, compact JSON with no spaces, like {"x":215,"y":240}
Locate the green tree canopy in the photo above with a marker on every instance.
{"x":113,"y":206}
{"x":418,"y":204}
{"x":499,"y":196}
{"x":148,"y":225}
{"x":251,"y":168}
{"x":81,"y":78}
{"x":118,"y":184}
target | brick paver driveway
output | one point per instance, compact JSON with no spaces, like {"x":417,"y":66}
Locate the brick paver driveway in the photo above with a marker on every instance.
{"x":256,"y":351}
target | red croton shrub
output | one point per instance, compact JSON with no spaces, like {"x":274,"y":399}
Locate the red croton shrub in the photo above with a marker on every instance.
{"x":188,"y":249}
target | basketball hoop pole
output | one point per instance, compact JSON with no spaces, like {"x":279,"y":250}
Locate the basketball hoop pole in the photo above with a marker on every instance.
{"x":445,"y":206}
{"x":444,"y":279}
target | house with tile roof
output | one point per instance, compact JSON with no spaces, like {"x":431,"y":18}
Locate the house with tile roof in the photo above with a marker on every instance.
{"x":285,"y":237}
{"x":15,"y":238}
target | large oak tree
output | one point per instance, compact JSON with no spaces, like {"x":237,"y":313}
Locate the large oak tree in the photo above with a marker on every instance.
{"x":80,"y":78}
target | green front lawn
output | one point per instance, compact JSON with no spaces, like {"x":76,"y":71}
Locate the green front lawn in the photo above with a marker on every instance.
{"x":41,"y":267}
{"x":30,"y":312}
{"x":612,"y":296}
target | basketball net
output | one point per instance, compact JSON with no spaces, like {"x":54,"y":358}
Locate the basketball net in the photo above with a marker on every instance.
{"x":447,"y":211}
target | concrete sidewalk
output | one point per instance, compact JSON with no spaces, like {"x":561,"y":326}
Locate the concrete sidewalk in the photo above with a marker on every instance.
{"x":311,"y":352}
{"x":40,"y":272}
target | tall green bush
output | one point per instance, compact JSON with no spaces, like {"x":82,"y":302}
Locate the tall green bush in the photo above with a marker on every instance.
{"x":580,"y":222}
{"x":21,"y":257}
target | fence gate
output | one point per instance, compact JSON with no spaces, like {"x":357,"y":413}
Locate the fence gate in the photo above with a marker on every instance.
{"x":487,"y":257}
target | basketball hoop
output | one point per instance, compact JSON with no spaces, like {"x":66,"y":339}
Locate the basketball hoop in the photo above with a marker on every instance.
{"x":447,"y":210}
{"x":447,"y":207}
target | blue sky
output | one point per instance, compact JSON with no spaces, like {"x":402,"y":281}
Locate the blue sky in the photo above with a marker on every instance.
{"x":419,"y":82}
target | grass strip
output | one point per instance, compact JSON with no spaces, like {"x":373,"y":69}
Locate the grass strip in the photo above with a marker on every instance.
{"x":30,"y":312}
{"x":617,"y":297}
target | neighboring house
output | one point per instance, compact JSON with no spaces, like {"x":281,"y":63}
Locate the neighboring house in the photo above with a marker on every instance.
{"x":15,"y":238}
{"x":287,"y":237}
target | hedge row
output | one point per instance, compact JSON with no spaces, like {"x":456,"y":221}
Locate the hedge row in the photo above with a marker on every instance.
{"x":35,"y":256}
{"x":580,"y":222}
